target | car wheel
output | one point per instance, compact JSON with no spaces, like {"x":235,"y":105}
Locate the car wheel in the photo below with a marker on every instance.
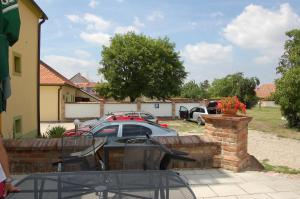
{"x":200,"y":121}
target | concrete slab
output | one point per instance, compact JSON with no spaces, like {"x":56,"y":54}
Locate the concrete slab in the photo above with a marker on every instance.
{"x":255,"y":196}
{"x":227,"y":190}
{"x":255,"y":187}
{"x":284,"y":195}
{"x":200,"y":179}
{"x":226,"y":197}
{"x":203,"y":191}
{"x":283,"y":185}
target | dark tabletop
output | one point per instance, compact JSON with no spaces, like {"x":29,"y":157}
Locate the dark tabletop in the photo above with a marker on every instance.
{"x":104,"y":184}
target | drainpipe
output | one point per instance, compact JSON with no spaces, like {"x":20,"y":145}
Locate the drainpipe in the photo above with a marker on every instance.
{"x":58,"y":111}
{"x":38,"y":77}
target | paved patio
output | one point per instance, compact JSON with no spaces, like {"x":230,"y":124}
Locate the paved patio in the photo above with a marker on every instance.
{"x":223,"y":184}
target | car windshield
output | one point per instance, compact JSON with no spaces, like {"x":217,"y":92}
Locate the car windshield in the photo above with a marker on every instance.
{"x":212,"y":104}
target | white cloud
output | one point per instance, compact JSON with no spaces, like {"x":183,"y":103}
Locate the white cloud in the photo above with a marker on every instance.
{"x":207,"y":53}
{"x":138,"y":23}
{"x":74,"y":18}
{"x":96,"y":38}
{"x":156,"y":15}
{"x":92,"y":22}
{"x":125,"y":29}
{"x":95,"y":22}
{"x":82,"y":53}
{"x":260,"y":28}
{"x":69,"y":66}
{"x":93,"y":3}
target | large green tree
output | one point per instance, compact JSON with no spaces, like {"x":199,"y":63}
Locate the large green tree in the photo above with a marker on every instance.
{"x":287,"y":93}
{"x":195,"y":91}
{"x":136,"y":65}
{"x":236,"y":85}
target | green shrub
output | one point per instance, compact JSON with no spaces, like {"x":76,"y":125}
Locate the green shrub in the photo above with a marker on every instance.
{"x":55,"y":132}
{"x":287,"y":95}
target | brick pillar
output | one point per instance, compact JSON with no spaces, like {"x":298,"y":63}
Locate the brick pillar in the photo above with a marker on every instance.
{"x":232,"y":134}
{"x":102,"y":102}
{"x":173,"y":110}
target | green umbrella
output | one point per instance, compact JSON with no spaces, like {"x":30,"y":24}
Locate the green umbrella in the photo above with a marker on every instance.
{"x":9,"y":35}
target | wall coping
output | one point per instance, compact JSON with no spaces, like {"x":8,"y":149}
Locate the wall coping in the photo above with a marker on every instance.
{"x":220,"y":117}
{"x":42,"y":144}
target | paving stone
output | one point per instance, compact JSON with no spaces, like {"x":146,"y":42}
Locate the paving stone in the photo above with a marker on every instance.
{"x":255,"y":187}
{"x":203,"y":191}
{"x":227,"y":178}
{"x":227,"y":190}
{"x":200,"y":179}
{"x":254,"y":176}
{"x":283,"y":185}
{"x":284,"y":195}
{"x":226,"y":197}
{"x":255,"y":196}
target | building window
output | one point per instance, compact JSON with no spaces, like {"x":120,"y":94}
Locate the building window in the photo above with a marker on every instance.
{"x":17,"y":128}
{"x":17,"y":64}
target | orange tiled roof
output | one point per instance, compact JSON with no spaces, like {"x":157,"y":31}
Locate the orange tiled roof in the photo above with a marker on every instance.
{"x":265,"y":90}
{"x":49,"y":76}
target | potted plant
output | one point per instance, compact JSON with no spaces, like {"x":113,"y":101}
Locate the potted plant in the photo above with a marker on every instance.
{"x":229,"y":106}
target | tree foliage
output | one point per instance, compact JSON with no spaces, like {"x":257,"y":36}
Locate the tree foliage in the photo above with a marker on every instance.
{"x":287,"y":93}
{"x":291,"y":55}
{"x":104,"y":90}
{"x":195,"y":91}
{"x":136,"y":65}
{"x":236,"y":85}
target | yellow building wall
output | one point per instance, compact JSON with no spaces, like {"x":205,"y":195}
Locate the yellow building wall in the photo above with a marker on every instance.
{"x":23,"y":102}
{"x":49,"y":103}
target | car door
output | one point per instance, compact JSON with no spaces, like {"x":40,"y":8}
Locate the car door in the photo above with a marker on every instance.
{"x":192,"y":111}
{"x":108,"y":131}
{"x":134,"y":130}
{"x":183,"y":112}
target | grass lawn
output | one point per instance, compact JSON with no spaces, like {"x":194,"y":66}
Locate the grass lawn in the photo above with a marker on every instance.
{"x":184,"y":127}
{"x":269,"y":120}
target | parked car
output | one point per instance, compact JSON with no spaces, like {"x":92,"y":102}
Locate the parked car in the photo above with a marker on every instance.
{"x":145,"y":115}
{"x":127,"y":128}
{"x":195,"y":114}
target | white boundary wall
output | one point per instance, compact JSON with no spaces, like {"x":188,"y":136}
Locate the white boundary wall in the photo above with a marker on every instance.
{"x":268,"y":104}
{"x":92,"y":110}
{"x":82,"y":110}
{"x":158,"y":109}
{"x":108,"y":108}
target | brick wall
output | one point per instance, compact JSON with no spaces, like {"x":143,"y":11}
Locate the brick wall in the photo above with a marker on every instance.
{"x":224,"y":144}
{"x":37,"y":155}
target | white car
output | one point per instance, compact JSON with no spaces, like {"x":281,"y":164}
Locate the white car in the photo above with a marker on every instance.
{"x":195,"y":114}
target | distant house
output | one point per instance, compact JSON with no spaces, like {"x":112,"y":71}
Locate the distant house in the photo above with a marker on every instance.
{"x":84,"y":84}
{"x":265,"y":91}
{"x":22,"y":116}
{"x":55,"y":91}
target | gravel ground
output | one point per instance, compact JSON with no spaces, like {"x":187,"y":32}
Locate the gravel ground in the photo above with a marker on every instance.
{"x":279,"y":151}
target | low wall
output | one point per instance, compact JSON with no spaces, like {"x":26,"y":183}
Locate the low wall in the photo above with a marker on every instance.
{"x":37,"y":155}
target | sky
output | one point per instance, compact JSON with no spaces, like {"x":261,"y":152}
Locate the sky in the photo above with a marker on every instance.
{"x":214,"y":37}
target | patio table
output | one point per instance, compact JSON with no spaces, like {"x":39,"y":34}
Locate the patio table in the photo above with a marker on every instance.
{"x":104,"y":184}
